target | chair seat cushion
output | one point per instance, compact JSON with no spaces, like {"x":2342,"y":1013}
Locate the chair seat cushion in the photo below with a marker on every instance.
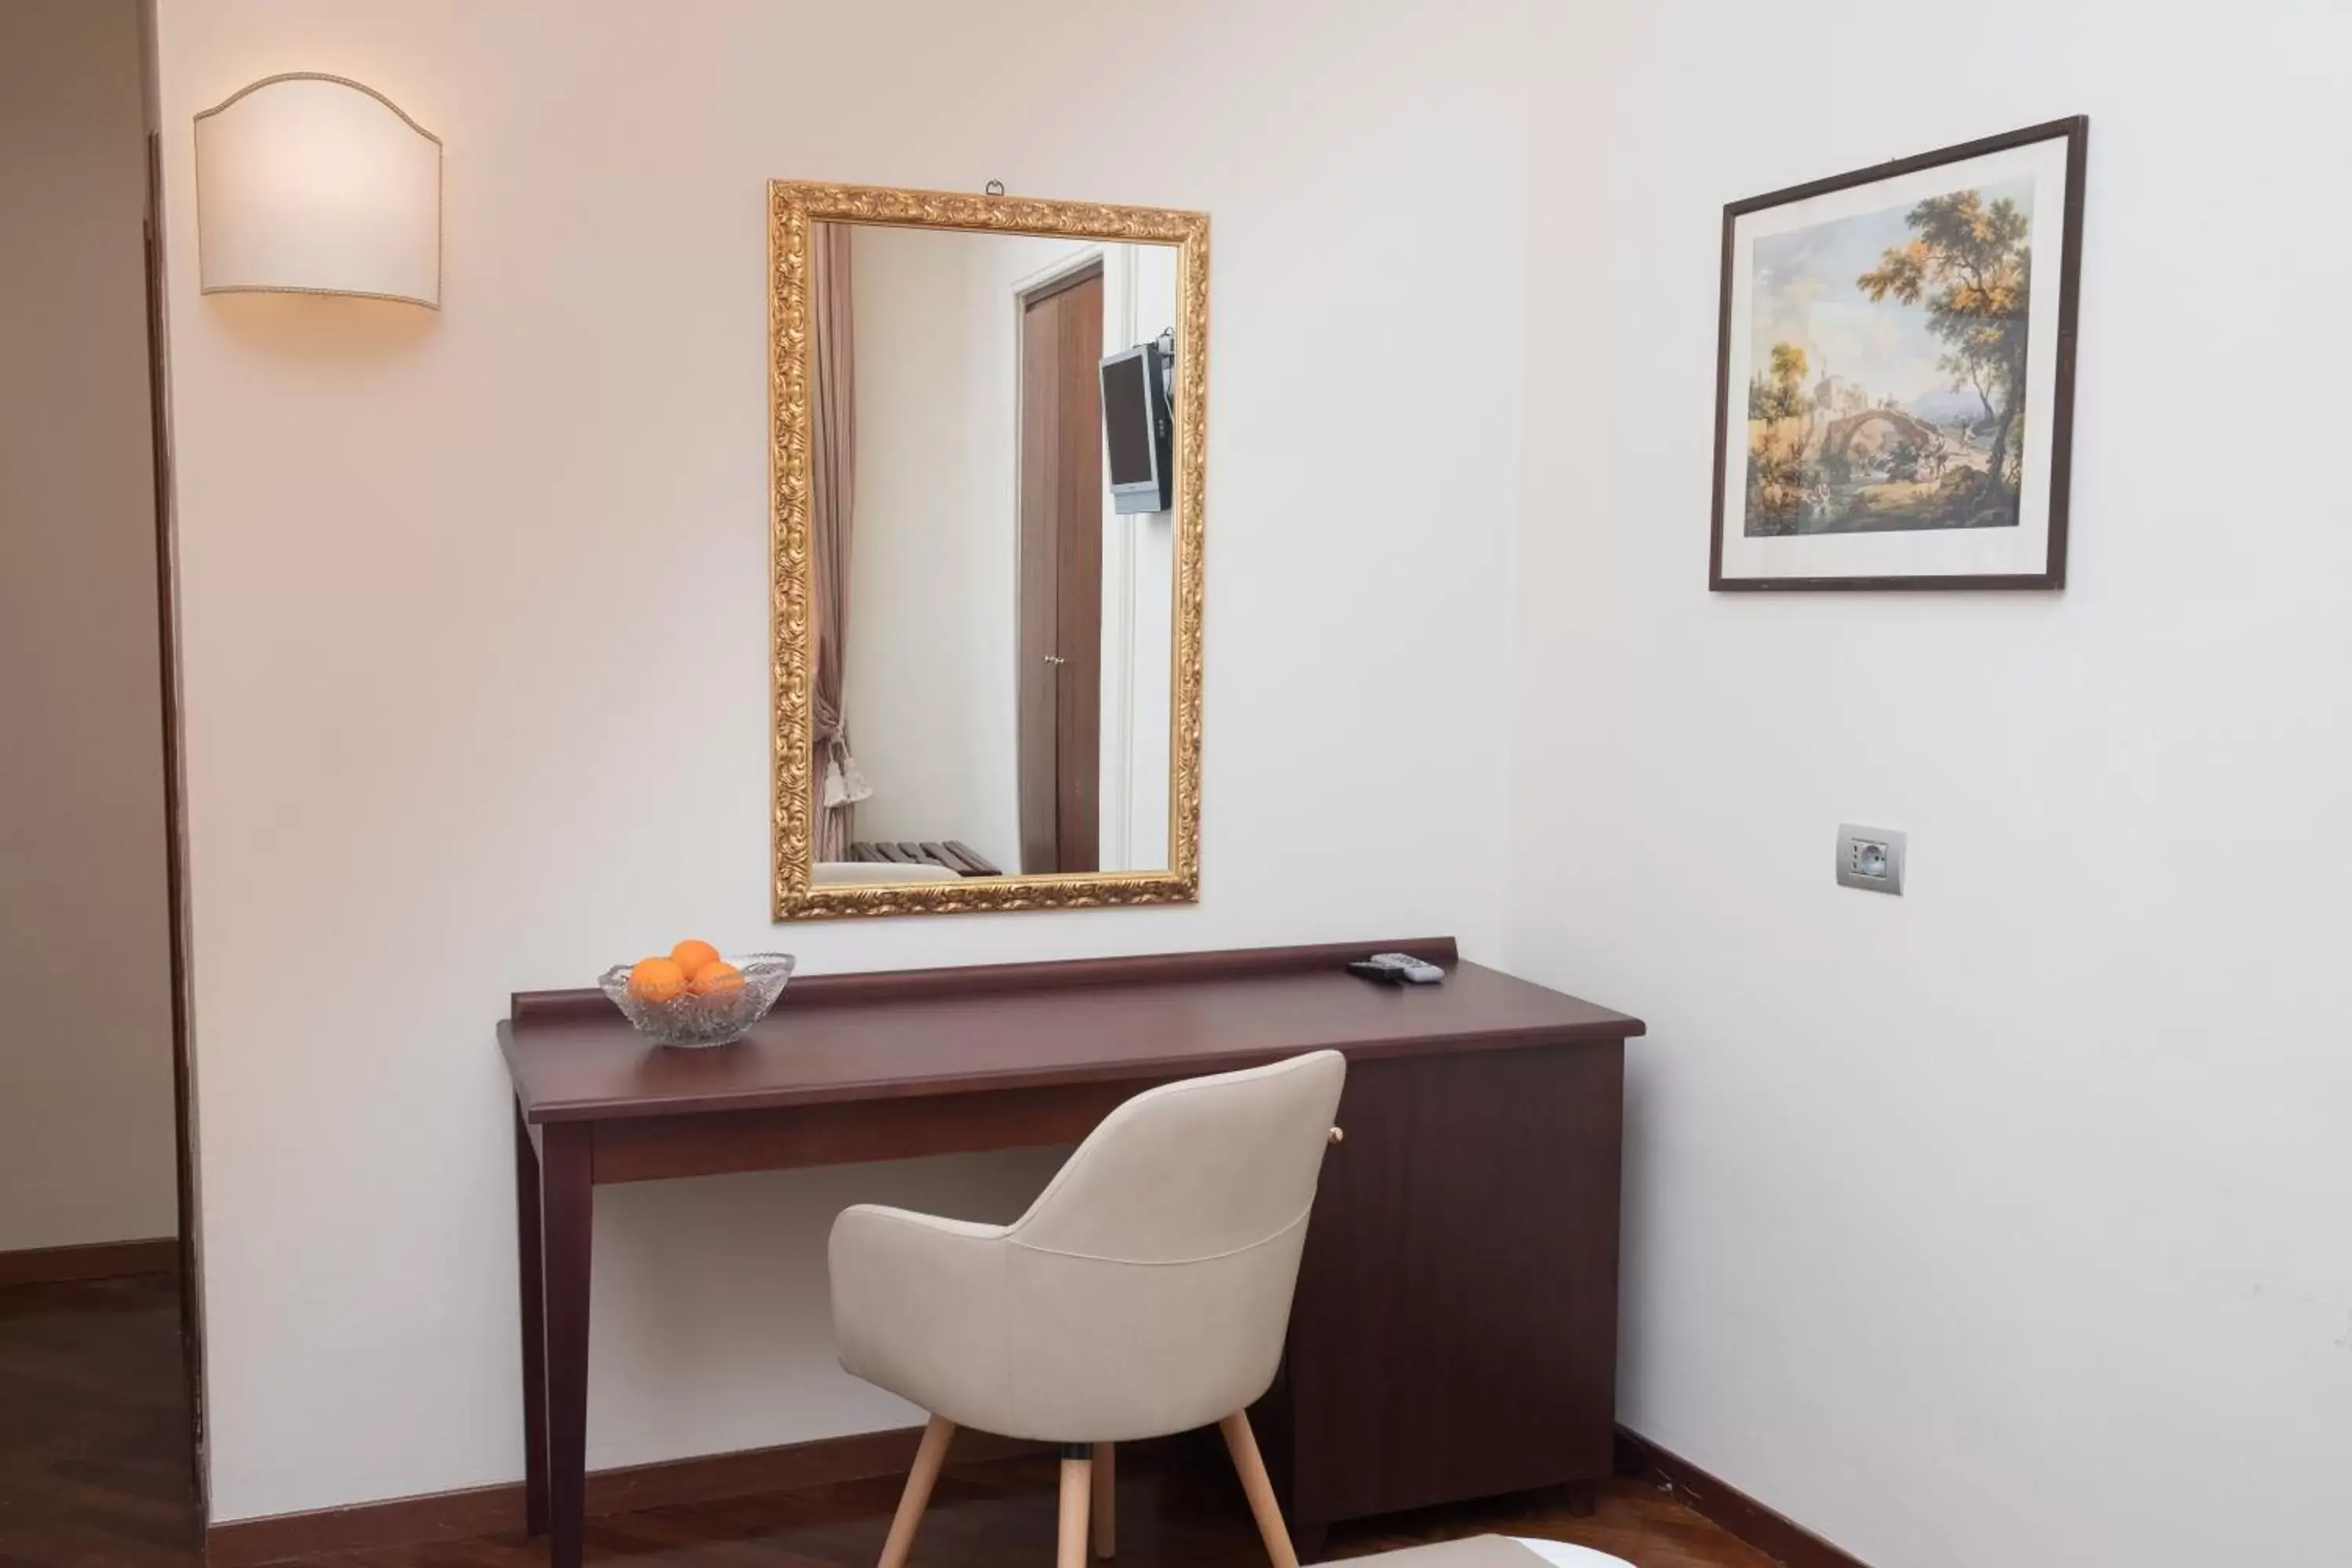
{"x":1494,"y":1552}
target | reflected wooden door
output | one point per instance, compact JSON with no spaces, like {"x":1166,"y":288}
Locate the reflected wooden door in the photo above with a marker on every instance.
{"x":1061,"y":574}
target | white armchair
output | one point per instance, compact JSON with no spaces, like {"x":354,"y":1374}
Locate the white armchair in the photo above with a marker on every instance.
{"x":1145,"y":1292}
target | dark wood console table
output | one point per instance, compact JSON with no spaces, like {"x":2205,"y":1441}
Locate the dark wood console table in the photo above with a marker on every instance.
{"x":1454,"y":1333}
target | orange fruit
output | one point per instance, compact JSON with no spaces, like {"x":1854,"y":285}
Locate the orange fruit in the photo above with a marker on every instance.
{"x":716,"y":977}
{"x":691,"y":955}
{"x":656,"y":980}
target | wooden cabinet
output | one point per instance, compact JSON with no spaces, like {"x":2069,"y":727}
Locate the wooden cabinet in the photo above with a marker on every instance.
{"x":1454,"y":1333}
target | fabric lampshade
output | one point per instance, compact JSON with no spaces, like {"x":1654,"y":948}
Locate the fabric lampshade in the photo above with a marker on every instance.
{"x":314,"y":185}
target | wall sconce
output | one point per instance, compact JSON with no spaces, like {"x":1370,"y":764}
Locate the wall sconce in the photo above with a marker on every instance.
{"x":315,"y":184}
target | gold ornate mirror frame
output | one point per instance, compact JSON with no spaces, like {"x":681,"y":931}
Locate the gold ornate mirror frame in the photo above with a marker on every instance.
{"x":793,"y":207}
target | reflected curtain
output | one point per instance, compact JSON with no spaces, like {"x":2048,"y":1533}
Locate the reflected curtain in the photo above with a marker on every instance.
{"x":833,"y":470}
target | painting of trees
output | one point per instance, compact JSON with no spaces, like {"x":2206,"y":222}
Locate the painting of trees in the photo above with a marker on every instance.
{"x":1781,"y":395}
{"x":1969,"y":261}
{"x":1876,"y":325}
{"x":1777,"y":410}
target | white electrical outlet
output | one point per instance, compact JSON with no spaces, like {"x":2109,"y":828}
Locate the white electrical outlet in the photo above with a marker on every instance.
{"x":1869,"y":859}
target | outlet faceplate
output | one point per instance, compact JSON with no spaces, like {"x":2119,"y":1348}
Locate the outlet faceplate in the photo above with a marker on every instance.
{"x":1869,"y":859}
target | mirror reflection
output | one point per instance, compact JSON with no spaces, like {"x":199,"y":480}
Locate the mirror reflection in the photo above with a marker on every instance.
{"x":992,"y":552}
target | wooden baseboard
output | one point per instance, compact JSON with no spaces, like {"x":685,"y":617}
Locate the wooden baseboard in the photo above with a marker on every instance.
{"x":1773,"y":1533}
{"x":498,"y":1509}
{"x":91,"y":1261}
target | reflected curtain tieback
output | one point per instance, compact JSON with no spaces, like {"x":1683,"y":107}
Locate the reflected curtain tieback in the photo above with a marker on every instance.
{"x":843,"y":785}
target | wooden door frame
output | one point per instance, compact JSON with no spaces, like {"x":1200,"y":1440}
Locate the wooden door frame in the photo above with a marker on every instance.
{"x":1090,"y":262}
{"x":1116,"y":789}
{"x":1065,"y":273}
{"x":175,"y":833}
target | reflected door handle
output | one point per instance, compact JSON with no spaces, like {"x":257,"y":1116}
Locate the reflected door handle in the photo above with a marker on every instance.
{"x":1053,"y":658}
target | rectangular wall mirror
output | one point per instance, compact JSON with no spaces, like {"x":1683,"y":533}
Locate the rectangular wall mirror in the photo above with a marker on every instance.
{"x":985,"y":551}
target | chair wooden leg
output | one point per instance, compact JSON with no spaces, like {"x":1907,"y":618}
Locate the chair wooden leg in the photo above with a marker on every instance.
{"x":1103,"y":1509}
{"x":1070,"y":1545}
{"x":929,"y":1454}
{"x":1255,"y":1484}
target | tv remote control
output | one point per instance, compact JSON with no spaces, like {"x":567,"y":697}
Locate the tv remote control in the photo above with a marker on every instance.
{"x":1397,"y":968}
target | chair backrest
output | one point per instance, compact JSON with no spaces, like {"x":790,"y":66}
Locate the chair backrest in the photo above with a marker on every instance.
{"x":1146,"y":1291}
{"x":1194,"y":1171}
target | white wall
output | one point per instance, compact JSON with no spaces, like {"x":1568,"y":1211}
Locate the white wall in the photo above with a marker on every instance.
{"x":86,"y":1136}
{"x":1139,"y":600}
{"x":2006,"y":1223}
{"x":476,"y":637}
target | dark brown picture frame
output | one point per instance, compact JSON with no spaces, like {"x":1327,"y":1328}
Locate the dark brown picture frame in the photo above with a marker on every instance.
{"x":2075,"y":130}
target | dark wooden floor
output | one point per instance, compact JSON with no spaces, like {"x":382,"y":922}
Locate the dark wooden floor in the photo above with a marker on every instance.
{"x":94,"y":1426}
{"x":94,"y":1466}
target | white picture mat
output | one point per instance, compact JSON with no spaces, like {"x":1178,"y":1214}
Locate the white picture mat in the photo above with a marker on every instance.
{"x":2023,"y":550}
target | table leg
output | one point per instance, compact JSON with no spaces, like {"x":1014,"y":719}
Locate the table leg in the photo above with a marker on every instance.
{"x":534,"y":1332}
{"x":566,"y":1206}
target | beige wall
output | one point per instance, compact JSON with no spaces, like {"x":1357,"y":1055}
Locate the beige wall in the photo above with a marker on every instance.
{"x":474,"y":631}
{"x":85,"y":1142}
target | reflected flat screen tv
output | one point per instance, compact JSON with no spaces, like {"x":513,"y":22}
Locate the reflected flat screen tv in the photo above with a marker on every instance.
{"x":1137,"y":430}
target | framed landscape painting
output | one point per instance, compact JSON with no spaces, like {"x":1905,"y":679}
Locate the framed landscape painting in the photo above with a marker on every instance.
{"x":1895,"y":378}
